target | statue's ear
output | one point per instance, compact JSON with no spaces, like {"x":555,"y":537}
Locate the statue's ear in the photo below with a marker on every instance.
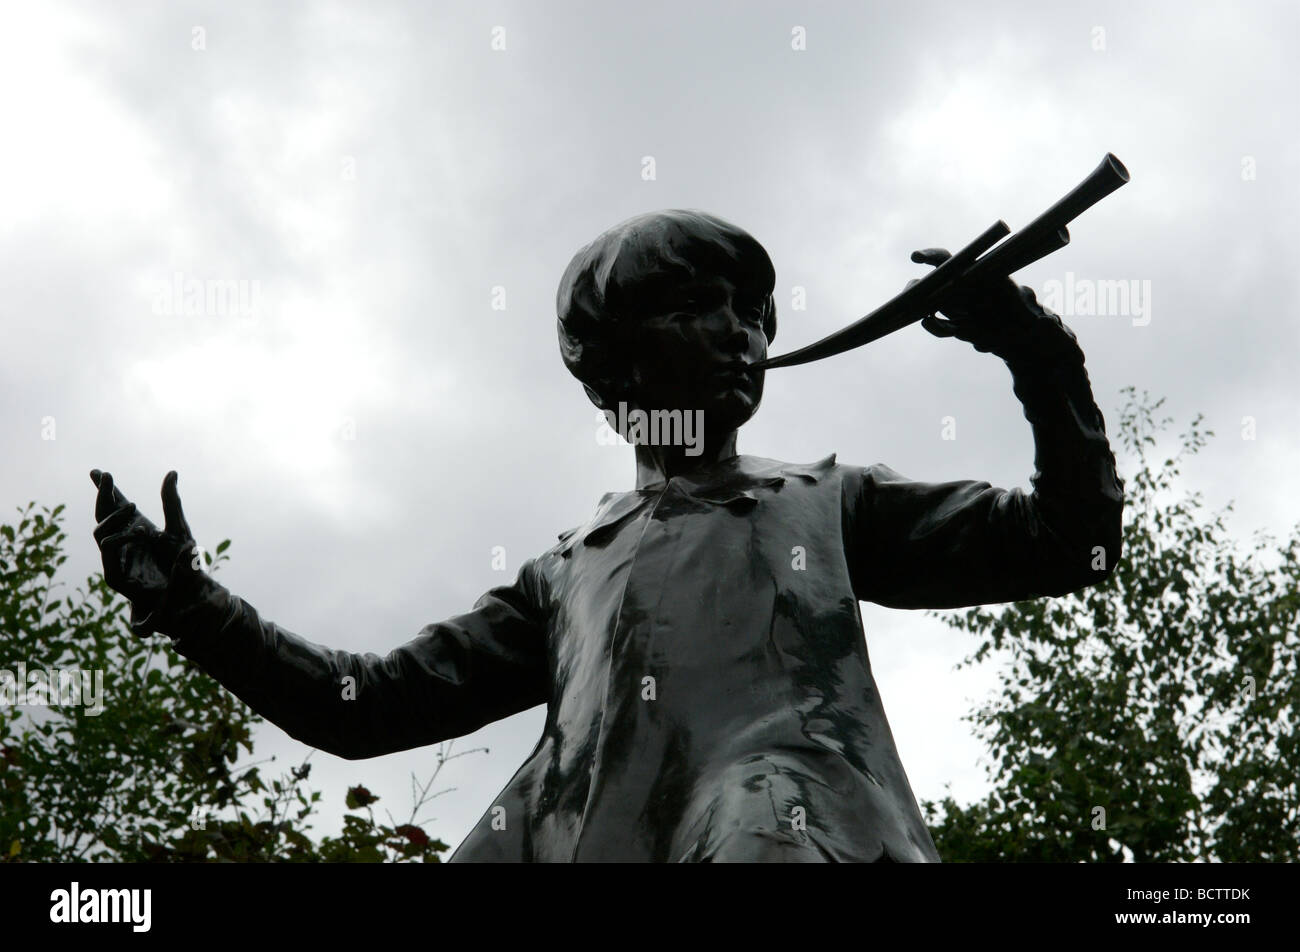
{"x":614,"y":390}
{"x":769,"y":319}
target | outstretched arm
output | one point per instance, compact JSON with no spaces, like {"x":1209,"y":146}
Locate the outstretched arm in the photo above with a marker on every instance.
{"x":949,"y":545}
{"x":453,"y":678}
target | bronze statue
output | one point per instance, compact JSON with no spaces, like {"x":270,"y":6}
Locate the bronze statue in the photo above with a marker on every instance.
{"x":698,"y":643}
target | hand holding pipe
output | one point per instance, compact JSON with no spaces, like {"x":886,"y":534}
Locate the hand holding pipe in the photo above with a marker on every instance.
{"x":1042,"y":236}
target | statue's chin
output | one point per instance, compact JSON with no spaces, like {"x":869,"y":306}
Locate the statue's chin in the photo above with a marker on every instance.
{"x":724,"y":410}
{"x":730,"y":412}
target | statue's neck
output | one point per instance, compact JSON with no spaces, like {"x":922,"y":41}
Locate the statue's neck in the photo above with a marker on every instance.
{"x":658,"y":464}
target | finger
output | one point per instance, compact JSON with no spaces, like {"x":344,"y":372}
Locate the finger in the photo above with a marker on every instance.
{"x":932,"y":256}
{"x":118,"y":538}
{"x":938,"y":327}
{"x":115,"y":522}
{"x":103,"y":502}
{"x":173,"y":516}
{"x":109,"y":499}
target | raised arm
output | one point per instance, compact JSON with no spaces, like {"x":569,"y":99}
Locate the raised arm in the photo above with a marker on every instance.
{"x":453,"y":678}
{"x":948,"y":545}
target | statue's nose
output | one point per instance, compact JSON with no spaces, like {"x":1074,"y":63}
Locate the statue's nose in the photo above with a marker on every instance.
{"x":733,"y":335}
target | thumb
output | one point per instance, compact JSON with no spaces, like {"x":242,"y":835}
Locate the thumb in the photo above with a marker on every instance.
{"x":174,"y":517}
{"x":931,"y":256}
{"x":937,"y":326}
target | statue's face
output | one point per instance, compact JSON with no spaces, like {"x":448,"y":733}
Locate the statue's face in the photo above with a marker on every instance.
{"x":691,"y":350}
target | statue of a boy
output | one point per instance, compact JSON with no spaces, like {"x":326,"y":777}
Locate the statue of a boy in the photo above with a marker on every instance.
{"x":697,"y":643}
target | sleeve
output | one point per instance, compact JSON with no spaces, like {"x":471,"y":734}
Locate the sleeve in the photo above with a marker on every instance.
{"x":454,"y":677}
{"x":955,"y":544}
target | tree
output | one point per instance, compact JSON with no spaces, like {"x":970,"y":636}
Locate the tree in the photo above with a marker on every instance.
{"x":162,"y":772}
{"x":1153,"y":717}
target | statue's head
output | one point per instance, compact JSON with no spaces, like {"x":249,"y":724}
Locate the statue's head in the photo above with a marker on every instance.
{"x":662,"y":311}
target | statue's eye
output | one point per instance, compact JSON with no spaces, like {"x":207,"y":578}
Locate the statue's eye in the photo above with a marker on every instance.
{"x":702,"y":299}
{"x":753,"y":312}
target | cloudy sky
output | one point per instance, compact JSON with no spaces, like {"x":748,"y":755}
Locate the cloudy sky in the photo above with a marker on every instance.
{"x":376,"y":176}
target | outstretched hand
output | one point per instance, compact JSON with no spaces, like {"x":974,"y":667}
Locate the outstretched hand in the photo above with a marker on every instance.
{"x":138,"y":558}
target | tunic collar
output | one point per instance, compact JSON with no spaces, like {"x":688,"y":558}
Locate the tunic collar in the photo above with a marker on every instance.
{"x":731,"y":482}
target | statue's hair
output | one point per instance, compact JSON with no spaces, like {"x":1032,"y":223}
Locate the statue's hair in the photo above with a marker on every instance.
{"x":597,"y":298}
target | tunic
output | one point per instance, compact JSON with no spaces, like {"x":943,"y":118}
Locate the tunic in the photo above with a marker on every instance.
{"x":699,"y":648}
